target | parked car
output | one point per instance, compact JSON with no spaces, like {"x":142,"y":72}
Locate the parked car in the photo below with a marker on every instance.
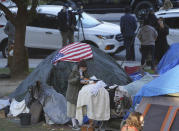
{"x":115,"y":6}
{"x":7,"y":3}
{"x":42,"y":32}
{"x":171,"y":18}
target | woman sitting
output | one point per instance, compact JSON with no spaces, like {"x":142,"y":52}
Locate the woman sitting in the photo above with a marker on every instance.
{"x":134,"y":122}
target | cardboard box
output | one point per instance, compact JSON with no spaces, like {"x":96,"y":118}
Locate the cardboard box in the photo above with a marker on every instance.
{"x":2,"y":114}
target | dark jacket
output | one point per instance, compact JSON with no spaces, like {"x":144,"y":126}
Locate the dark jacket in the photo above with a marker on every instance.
{"x":161,"y":45}
{"x":10,"y":31}
{"x":74,"y":86}
{"x":128,"y":25}
{"x":152,"y":19}
{"x":64,"y":24}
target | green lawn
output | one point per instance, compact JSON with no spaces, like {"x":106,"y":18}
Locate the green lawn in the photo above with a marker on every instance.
{"x":7,"y":71}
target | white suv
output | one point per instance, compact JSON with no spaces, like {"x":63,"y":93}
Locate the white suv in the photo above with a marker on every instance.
{"x":172,"y":20}
{"x":42,"y":32}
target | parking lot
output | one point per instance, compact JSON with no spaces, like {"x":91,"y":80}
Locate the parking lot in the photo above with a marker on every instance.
{"x":106,"y":17}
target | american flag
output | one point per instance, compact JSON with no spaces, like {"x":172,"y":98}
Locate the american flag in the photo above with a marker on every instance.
{"x":74,"y":52}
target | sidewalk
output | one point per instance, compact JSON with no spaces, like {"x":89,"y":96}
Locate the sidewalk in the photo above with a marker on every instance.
{"x":32,"y":62}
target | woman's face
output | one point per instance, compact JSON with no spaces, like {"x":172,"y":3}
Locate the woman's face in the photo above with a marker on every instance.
{"x":83,"y":68}
{"x":160,"y":21}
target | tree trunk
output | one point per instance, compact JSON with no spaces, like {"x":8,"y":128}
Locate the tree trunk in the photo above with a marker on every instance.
{"x":20,"y":58}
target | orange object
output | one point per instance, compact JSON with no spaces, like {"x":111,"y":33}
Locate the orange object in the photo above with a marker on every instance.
{"x":87,"y":128}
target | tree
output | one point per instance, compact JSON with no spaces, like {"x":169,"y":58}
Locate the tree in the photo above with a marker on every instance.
{"x":20,"y":58}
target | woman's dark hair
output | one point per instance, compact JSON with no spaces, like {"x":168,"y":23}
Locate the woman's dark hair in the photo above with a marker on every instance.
{"x":161,"y":18}
{"x":127,"y":10}
{"x":82,"y":64}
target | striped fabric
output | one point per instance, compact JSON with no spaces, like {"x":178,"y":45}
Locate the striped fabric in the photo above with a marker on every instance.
{"x":74,"y":52}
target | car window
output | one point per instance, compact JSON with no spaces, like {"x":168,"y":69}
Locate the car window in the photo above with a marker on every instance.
{"x":104,"y":1}
{"x":87,"y":20}
{"x":43,"y":21}
{"x":172,"y":22}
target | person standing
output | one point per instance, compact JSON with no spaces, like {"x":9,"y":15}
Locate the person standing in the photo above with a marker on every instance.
{"x":147,"y":36}
{"x":10,"y":31}
{"x":78,"y":77}
{"x":128,"y":26}
{"x":161,"y":45}
{"x":167,"y":5}
{"x":151,"y":17}
{"x":67,"y":22}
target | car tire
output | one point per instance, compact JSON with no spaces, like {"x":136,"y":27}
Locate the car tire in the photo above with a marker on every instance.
{"x":5,"y":49}
{"x":142,"y":8}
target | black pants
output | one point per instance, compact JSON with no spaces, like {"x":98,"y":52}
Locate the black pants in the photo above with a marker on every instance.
{"x":129,"y":45}
{"x":147,"y":50}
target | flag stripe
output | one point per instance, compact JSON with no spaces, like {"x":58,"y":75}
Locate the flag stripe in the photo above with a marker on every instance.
{"x":79,"y":55}
{"x":77,"y":50}
{"x":76,"y":47}
{"x":74,"y":52}
{"x":71,"y":46}
{"x":68,"y":46}
{"x":77,"y":59}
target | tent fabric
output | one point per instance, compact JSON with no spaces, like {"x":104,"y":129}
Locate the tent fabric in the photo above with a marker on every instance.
{"x":169,"y":60}
{"x":54,"y":102}
{"x":135,"y":86}
{"x":102,"y":66}
{"x":167,"y":83}
{"x":155,"y":117}
{"x":172,"y":103}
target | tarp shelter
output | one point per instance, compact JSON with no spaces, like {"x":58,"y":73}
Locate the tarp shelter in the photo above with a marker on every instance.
{"x":102,"y":66}
{"x":169,"y":60}
{"x":160,"y":109}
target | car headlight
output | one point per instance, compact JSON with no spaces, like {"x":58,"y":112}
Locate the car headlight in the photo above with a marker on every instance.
{"x":105,"y":36}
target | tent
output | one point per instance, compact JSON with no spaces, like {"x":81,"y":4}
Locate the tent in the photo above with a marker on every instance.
{"x":102,"y":66}
{"x":160,"y":113}
{"x":54,"y":79}
{"x":159,"y":109}
{"x":170,"y":59}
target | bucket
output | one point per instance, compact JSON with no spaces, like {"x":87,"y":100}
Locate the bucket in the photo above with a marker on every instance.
{"x":25,"y":119}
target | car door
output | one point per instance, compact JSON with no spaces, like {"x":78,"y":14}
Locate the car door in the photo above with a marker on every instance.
{"x":105,"y":6}
{"x":173,"y":23}
{"x":42,"y":32}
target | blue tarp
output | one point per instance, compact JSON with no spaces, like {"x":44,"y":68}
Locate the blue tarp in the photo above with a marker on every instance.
{"x":167,"y":83}
{"x":169,"y":60}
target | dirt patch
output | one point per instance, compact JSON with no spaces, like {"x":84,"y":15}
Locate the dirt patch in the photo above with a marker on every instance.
{"x":9,"y":124}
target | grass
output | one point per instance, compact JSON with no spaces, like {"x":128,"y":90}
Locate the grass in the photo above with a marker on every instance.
{"x":150,"y":71}
{"x":4,"y":71}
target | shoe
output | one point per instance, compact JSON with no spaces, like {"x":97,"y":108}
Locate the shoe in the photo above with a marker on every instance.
{"x":76,"y":128}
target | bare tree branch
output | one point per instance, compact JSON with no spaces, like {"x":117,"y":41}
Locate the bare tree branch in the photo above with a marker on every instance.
{"x":8,"y":13}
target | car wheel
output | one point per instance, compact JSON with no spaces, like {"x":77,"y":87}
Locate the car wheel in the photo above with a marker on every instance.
{"x":5,"y":49}
{"x":142,"y":8}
